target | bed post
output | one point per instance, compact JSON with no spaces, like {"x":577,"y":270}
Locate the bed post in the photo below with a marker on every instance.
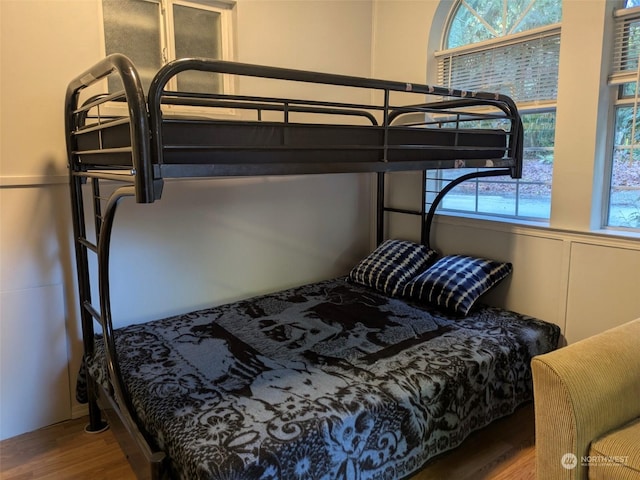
{"x":424,"y":235}
{"x":380,"y":208}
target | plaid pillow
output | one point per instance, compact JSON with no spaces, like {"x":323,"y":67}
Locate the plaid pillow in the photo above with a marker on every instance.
{"x":390,"y":266}
{"x":455,"y":282}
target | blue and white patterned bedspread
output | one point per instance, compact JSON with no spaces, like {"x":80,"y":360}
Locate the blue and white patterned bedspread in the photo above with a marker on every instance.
{"x":326,"y":381}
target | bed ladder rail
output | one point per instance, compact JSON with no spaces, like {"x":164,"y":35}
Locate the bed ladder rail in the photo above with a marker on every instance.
{"x":87,"y":312}
{"x":144,"y":457}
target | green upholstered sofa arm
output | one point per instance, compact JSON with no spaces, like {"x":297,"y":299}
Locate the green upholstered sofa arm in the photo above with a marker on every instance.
{"x":581,"y":392}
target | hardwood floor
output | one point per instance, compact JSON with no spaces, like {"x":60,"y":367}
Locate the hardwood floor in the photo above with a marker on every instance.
{"x":63,"y":451}
{"x":504,"y":450}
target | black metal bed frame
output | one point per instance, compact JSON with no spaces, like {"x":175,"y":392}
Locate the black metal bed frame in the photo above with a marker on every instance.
{"x":144,"y":170}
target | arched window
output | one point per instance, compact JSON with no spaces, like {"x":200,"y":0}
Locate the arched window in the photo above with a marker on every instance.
{"x":511,"y":47}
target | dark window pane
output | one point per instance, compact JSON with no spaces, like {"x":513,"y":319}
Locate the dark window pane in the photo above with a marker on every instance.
{"x":198,"y":34}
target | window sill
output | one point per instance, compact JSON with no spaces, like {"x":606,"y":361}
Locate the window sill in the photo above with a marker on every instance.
{"x":617,"y":238}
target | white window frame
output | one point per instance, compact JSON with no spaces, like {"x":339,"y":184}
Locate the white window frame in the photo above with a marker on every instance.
{"x":620,"y":74}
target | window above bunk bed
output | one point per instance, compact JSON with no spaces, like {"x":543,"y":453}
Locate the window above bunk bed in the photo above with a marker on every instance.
{"x":154,"y":32}
{"x":515,"y":51}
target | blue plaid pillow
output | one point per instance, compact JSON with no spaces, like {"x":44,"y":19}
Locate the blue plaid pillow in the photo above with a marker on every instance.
{"x":390,"y":266}
{"x":455,"y":282}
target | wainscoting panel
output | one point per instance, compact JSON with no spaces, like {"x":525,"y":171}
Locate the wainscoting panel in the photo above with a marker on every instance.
{"x":604,"y":289}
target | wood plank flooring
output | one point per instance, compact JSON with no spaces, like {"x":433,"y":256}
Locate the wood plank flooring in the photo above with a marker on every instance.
{"x":504,"y":450}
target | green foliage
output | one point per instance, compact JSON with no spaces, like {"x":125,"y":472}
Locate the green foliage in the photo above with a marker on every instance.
{"x":624,"y":127}
{"x":539,"y":136}
{"x":627,"y":220}
{"x":539,"y":129}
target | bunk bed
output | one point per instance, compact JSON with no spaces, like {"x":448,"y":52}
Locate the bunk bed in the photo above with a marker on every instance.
{"x":365,"y":376}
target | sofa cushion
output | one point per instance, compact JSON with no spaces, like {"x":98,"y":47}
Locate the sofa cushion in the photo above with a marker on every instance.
{"x":617,"y":454}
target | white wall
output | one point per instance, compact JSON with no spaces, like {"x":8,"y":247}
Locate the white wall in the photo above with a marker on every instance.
{"x":42,"y":45}
{"x":204,"y":242}
{"x":568,"y":272}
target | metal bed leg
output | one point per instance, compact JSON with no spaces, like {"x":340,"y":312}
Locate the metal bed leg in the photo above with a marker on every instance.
{"x":96,"y":423}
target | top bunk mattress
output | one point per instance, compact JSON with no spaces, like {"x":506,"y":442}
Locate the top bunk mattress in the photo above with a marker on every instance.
{"x":204,"y":141}
{"x":329,"y":380}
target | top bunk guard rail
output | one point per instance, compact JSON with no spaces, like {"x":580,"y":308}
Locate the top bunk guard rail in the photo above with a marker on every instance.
{"x":265,"y":103}
{"x":222,"y":66}
{"x":260,"y":107}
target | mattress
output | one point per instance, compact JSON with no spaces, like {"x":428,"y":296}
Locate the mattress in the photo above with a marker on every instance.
{"x":329,"y":380}
{"x":200,"y":141}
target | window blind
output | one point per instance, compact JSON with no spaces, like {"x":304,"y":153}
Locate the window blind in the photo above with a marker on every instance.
{"x":525,"y":69}
{"x":626,"y":46}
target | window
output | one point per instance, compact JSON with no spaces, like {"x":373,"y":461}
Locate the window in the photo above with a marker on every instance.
{"x":511,"y":47}
{"x":623,"y":195}
{"x":153,"y":32}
